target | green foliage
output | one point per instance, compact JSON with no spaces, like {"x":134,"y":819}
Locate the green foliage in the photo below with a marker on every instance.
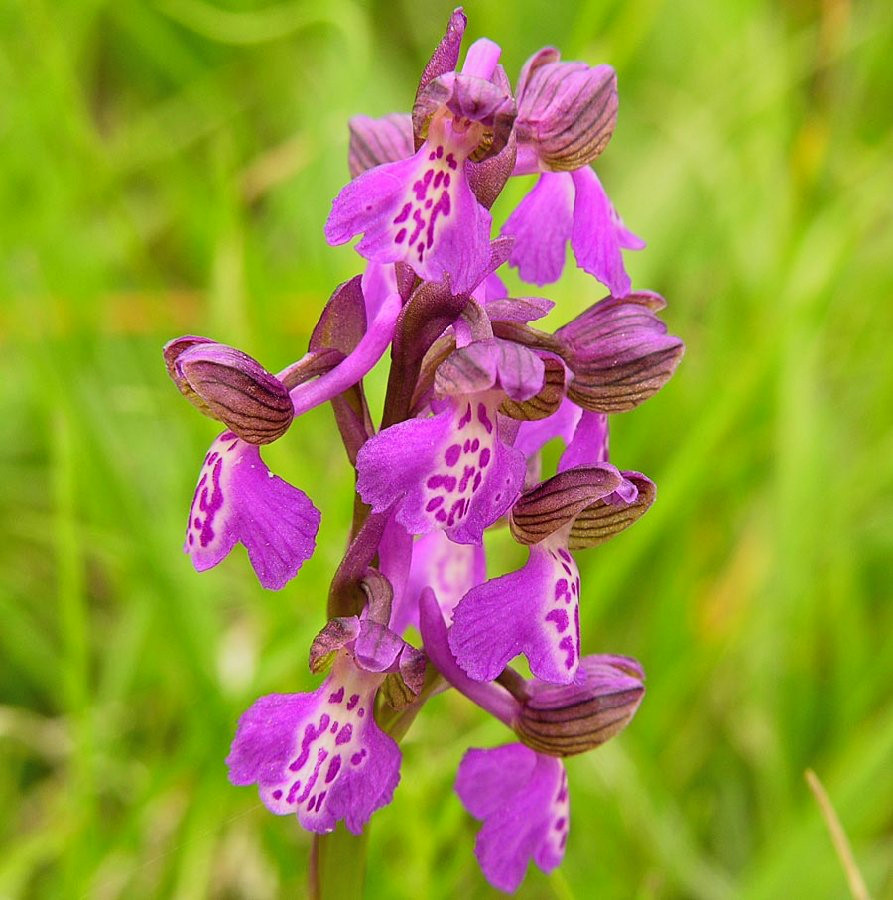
{"x":167,"y":168}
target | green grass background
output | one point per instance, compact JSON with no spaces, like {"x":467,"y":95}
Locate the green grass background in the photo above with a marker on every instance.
{"x":167,"y":166}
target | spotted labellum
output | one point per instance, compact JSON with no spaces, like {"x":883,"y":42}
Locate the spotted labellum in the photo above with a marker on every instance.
{"x":476,"y":391}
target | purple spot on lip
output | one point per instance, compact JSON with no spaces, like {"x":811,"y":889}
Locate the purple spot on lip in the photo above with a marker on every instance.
{"x":434,"y":502}
{"x":559,"y":824}
{"x":277,"y":794}
{"x":334,"y":766}
{"x":404,"y":213}
{"x":400,"y":236}
{"x":421,"y":186}
{"x":560,"y":588}
{"x":310,"y":735}
{"x":354,"y":699}
{"x":345,"y":734}
{"x":567,"y":644}
{"x":559,"y":617}
{"x":451,"y":456}
{"x":466,"y":417}
{"x":358,"y":757}
{"x":484,"y":419}
{"x":337,"y":696}
{"x":484,"y":458}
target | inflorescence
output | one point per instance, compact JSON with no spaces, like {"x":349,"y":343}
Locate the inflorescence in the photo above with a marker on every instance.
{"x":474,"y":393}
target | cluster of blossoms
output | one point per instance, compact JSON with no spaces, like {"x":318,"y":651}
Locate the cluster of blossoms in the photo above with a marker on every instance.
{"x":474,"y":394}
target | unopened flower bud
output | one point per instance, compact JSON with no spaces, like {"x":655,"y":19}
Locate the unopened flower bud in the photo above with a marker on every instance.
{"x":230,"y":386}
{"x":563,"y":720}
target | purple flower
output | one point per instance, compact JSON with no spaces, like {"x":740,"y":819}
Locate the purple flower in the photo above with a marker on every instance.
{"x":522,"y":798}
{"x":520,"y":791}
{"x":449,"y":568}
{"x":237,"y":498}
{"x":570,"y":206}
{"x":566,"y":115}
{"x":422,"y":210}
{"x":455,"y":470}
{"x":535,"y":610}
{"x":321,"y":755}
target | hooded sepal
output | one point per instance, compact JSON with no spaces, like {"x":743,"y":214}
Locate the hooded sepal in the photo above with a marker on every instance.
{"x":230,"y":386}
{"x":619,"y":352}
{"x":374,"y":142}
{"x":613,"y":513}
{"x":564,"y":720}
{"x":557,"y":502}
{"x":566,"y":111}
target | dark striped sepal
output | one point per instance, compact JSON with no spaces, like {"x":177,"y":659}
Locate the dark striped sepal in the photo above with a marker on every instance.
{"x":230,"y":386}
{"x":619,"y":352}
{"x":564,"y":720}
{"x":566,"y":110}
{"x":613,"y":513}
{"x":545,"y":402}
{"x":561,"y":500}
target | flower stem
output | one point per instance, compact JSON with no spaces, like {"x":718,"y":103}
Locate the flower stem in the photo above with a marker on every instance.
{"x":338,"y":865}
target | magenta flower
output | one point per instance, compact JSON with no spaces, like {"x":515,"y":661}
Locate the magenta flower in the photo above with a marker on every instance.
{"x":535,"y":610}
{"x":321,"y":755}
{"x":422,"y":210}
{"x":520,"y":791}
{"x":522,"y":798}
{"x":566,"y":115}
{"x":455,"y":470}
{"x":237,"y":498}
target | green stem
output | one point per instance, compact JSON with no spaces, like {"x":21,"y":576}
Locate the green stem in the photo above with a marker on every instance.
{"x":338,"y":865}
